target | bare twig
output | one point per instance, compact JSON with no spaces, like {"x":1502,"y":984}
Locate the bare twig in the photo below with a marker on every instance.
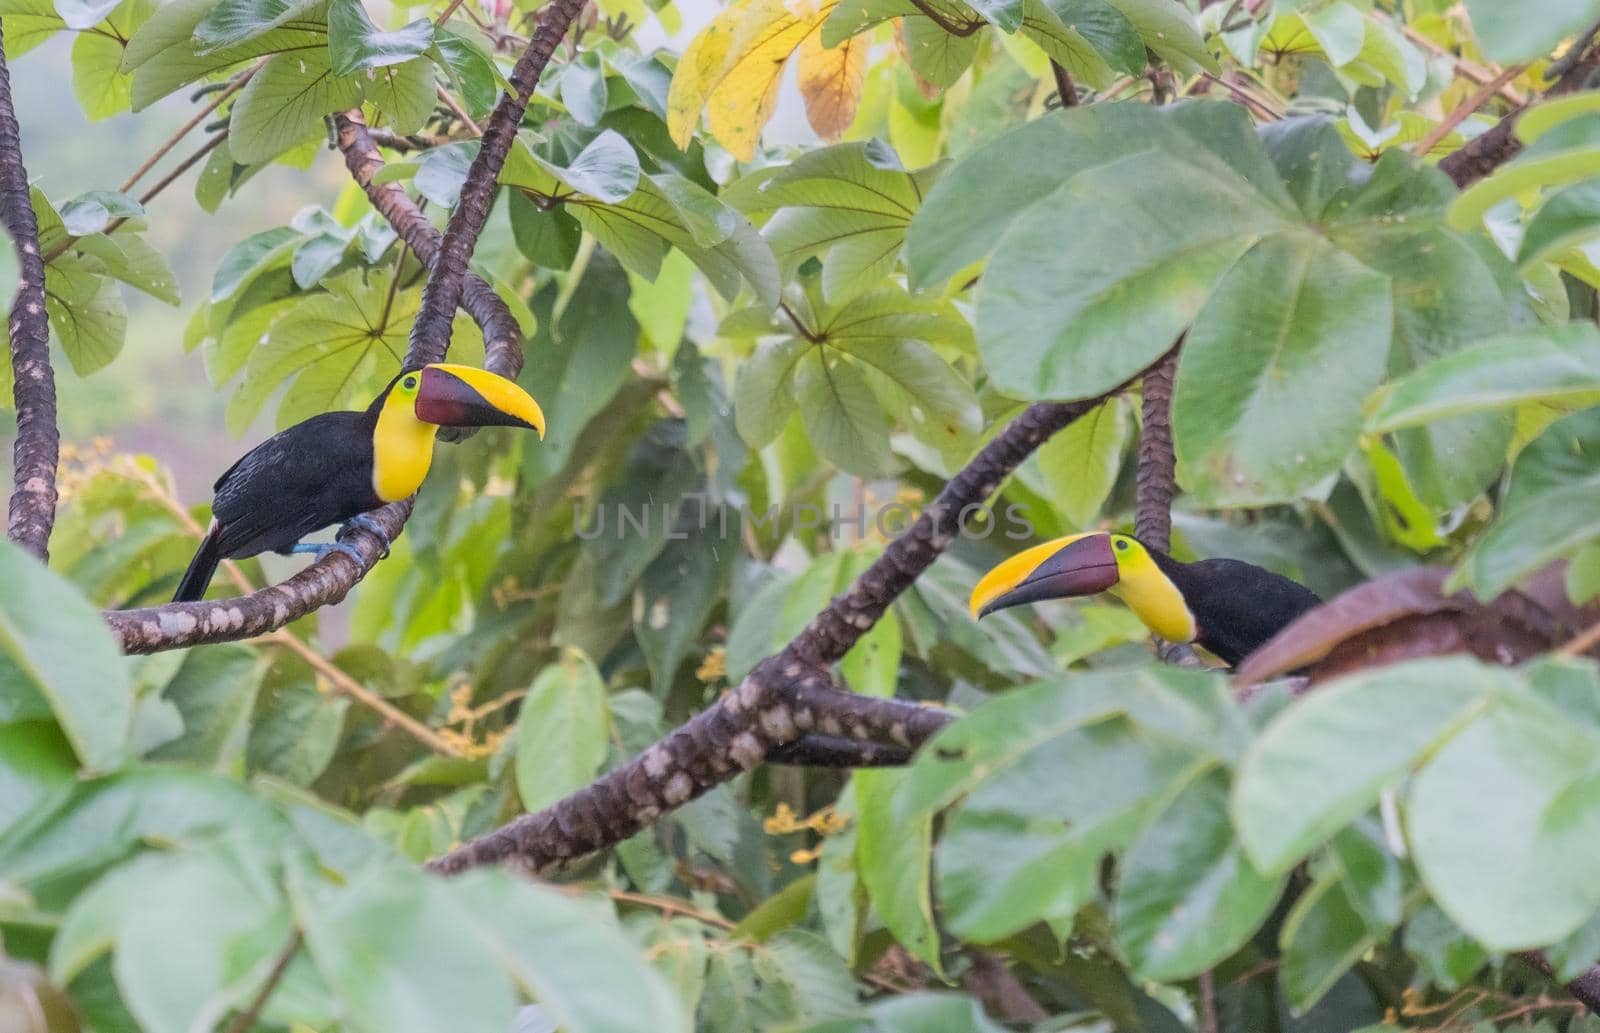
{"x":1489,"y":150}
{"x":1465,"y":110}
{"x":457,"y":110}
{"x":245,"y":1020}
{"x":237,"y":84}
{"x":38,"y":446}
{"x":1208,"y":1003}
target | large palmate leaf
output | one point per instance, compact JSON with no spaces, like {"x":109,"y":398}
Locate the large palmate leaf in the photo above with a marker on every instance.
{"x":1294,"y":320}
{"x":284,"y":104}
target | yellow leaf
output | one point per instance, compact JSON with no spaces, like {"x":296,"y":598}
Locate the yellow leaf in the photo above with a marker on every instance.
{"x":831,"y":82}
{"x":733,"y":67}
{"x":698,"y":71}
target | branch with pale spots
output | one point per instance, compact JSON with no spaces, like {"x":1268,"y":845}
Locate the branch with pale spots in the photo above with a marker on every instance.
{"x":787,"y":707}
{"x":330,"y":579}
{"x":37,"y":448}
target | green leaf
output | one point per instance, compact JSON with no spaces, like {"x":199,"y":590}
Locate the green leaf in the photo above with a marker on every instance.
{"x":569,"y":954}
{"x":86,"y":311}
{"x":1187,"y":897}
{"x":974,"y":202}
{"x":1508,"y":33}
{"x":583,"y":89}
{"x":561,"y":731}
{"x":1559,"y":364}
{"x":937,"y":56}
{"x":99,"y":822}
{"x":676,"y":594}
{"x":201,"y":936}
{"x":1080,"y":464}
{"x":1151,"y":242}
{"x":1446,"y":956}
{"x":54,"y":646}
{"x":284,"y":104}
{"x":892,"y":857}
{"x":763,"y":395}
{"x":1169,"y":30}
{"x":1324,"y":760}
{"x":1546,"y":512}
{"x":402,"y":952}
{"x":248,"y":258}
{"x":130,"y":258}
{"x":1322,"y":937}
{"x":1499,"y":819}
{"x":1568,"y":218}
{"x":476,"y":78}
{"x":1067,"y":47}
{"x":843,"y":418}
{"x":339,"y":348}
{"x":607,"y":169}
{"x":355,"y":44}
{"x":1556,"y":167}
{"x":233,"y":22}
{"x":578,"y":363}
{"x":404,"y":93}
{"x":36,"y":759}
{"x":215,"y":691}
{"x":295,"y":731}
{"x":101,"y":87}
{"x":1295,"y":318}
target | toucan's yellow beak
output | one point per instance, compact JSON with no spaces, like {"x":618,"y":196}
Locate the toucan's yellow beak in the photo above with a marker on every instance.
{"x":1079,"y":564}
{"x":465,"y":396}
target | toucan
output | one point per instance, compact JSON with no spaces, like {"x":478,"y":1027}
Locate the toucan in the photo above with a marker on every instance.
{"x":336,"y":466}
{"x":1228,"y":607}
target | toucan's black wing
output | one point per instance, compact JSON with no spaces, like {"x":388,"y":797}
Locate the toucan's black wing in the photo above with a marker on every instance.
{"x":300,"y":480}
{"x":1239,"y":606}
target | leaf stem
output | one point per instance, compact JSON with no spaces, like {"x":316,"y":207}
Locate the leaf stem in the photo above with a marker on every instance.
{"x":244,"y":1020}
{"x":172,"y":141}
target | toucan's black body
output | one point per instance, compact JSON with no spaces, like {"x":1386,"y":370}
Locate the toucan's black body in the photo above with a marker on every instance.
{"x":327,"y":470}
{"x":1237,"y":606}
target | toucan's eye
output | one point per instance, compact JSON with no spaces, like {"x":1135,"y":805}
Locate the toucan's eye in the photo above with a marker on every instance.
{"x":1122,"y":544}
{"x":410,"y":383}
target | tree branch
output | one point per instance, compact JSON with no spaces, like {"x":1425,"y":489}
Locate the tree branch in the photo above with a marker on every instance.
{"x":1488,"y":151}
{"x":329,"y":580}
{"x":325,"y":582}
{"x":785,"y":698}
{"x":502,"y":336}
{"x":37,"y":449}
{"x":430,"y":334}
{"x":1156,"y":482}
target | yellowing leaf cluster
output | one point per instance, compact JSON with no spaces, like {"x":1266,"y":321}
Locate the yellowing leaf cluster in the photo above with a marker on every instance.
{"x":732,"y":69}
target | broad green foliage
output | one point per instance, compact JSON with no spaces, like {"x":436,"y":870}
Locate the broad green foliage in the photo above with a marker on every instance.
{"x":759,"y":359}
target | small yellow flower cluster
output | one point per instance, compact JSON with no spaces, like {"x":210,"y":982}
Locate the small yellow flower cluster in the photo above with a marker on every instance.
{"x":714,"y":667}
{"x":825,"y":822}
{"x":463,"y":713}
{"x":79,"y":464}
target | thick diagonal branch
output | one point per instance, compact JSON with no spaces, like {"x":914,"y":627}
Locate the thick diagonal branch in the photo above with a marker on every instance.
{"x":785,"y":698}
{"x":502,"y":337}
{"x":38,"y":445}
{"x":430,"y":334}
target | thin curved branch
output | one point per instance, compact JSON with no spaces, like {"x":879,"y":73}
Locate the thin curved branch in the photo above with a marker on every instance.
{"x":38,"y":446}
{"x":430,"y":334}
{"x":502,"y":336}
{"x":1489,"y":150}
{"x":786,"y":698}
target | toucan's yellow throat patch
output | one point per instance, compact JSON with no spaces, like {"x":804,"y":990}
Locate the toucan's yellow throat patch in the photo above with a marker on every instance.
{"x":1085,"y":564}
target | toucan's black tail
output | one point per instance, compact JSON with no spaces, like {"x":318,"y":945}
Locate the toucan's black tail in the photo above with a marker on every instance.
{"x":198,"y":577}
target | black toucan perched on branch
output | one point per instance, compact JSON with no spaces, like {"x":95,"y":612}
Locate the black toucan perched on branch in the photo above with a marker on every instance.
{"x":1227,"y":606}
{"x":338,"y":465}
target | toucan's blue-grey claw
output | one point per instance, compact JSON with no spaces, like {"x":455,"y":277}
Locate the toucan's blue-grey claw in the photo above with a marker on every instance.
{"x":319,"y":551}
{"x":363,"y":522}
